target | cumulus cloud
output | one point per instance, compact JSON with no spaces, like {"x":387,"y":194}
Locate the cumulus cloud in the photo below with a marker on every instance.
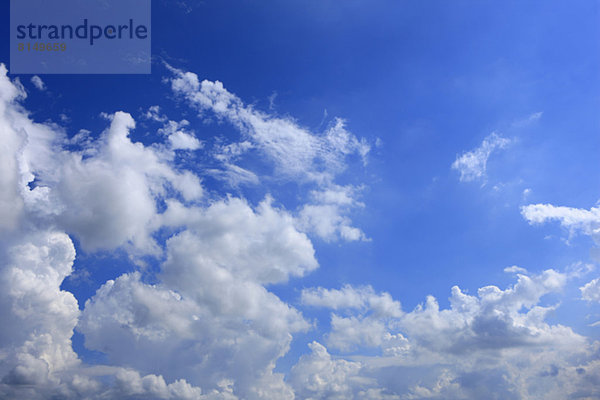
{"x":46,"y":189}
{"x":106,"y":192}
{"x":493,"y":319}
{"x":326,"y":214}
{"x":203,"y":337}
{"x":591,"y":290}
{"x":318,"y":376}
{"x":496,"y":343}
{"x":179,"y":138}
{"x":367,"y":327}
{"x":110,"y":195}
{"x":260,"y":245}
{"x":11,"y":145}
{"x":178,"y":133}
{"x":38,"y":318}
{"x":472,"y":164}
{"x":155,"y":114}
{"x":211,"y":307}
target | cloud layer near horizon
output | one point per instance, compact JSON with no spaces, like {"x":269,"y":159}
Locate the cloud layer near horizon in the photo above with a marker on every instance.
{"x":207,"y":326}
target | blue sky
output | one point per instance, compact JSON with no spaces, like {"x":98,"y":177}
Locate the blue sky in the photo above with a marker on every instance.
{"x":388,"y":151}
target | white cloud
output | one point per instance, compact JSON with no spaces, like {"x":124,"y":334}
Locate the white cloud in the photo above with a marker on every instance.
{"x":229,"y":172}
{"x":326,"y":222}
{"x":234,"y":175}
{"x":178,"y":133}
{"x":591,"y":290}
{"x":38,"y":318}
{"x":155,"y":114}
{"x":472,"y":165}
{"x":368,"y":328}
{"x":355,"y":332}
{"x":294,"y":151}
{"x":179,"y":136}
{"x":349,"y":297}
{"x":232,"y":151}
{"x":38,"y":83}
{"x":129,"y":383}
{"x":577,"y":220}
{"x":492,"y":319}
{"x":515,"y":270}
{"x":318,"y":376}
{"x":260,"y":245}
{"x":184,"y":141}
{"x":494,"y":344}
{"x":11,"y":203}
{"x":104,"y":194}
{"x":211,"y":305}
{"x":110,"y":197}
{"x":326,"y":215}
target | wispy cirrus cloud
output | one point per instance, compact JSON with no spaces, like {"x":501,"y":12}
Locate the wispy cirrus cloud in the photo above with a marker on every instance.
{"x":294,"y":150}
{"x":472,"y":165}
